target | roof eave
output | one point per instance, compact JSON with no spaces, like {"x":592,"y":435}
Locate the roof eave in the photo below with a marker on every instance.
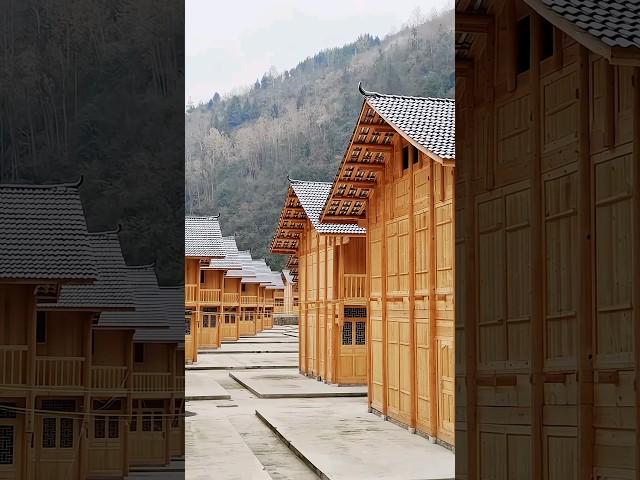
{"x":614,"y":55}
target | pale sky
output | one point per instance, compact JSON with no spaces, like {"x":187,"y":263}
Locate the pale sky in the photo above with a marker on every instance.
{"x":229,"y":44}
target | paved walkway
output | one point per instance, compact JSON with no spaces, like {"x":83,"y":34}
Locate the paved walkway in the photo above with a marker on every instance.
{"x":262,"y":347}
{"x":253,"y":436}
{"x":200,"y":386}
{"x":291,"y":384}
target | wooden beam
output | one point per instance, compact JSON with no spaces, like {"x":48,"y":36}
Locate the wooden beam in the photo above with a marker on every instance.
{"x":635,"y":83}
{"x":342,"y":198}
{"x":371,"y":147}
{"x":356,"y":183}
{"x":473,"y":22}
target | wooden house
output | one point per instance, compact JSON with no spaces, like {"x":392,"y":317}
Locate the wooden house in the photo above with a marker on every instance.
{"x":290,"y":299}
{"x":397,"y":179}
{"x":333,"y":312}
{"x":548,"y":252}
{"x":157,"y":422}
{"x":44,"y":372}
{"x":203,"y":287}
{"x":234,"y":324}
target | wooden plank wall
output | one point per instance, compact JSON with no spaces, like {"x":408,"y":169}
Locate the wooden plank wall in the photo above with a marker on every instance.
{"x":323,"y":260}
{"x":411,"y":295}
{"x":547,"y":235}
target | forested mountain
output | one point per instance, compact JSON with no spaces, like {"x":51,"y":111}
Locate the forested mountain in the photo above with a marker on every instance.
{"x":90,"y":88}
{"x":240,"y":148}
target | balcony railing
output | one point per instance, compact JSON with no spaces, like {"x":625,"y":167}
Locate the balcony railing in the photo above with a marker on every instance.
{"x":278,"y":309}
{"x":12,"y":364}
{"x":151,"y":382}
{"x":180,"y":383}
{"x":108,"y":378}
{"x":210,"y":295}
{"x":248,"y":300}
{"x":59,"y":371}
{"x":231,"y":298}
{"x":268,"y":302}
{"x":354,"y":286}
{"x":190,"y":293}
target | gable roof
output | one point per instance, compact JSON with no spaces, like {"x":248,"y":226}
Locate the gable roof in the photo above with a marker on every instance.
{"x":230,"y":260}
{"x":202,"y":237}
{"x":111,"y":290}
{"x":428,"y":123}
{"x":305,"y":200}
{"x":149,"y":309}
{"x":244,"y":258}
{"x":44,"y":234}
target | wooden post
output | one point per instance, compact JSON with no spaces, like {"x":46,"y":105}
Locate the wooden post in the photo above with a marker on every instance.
{"x":537,"y":260}
{"x":433,"y":361}
{"x":636,"y":250}
{"x":83,"y":459}
{"x":367,"y":287}
{"x":316,"y":368}
{"x":412,"y":294}
{"x":169,"y":404}
{"x":469,"y":322}
{"x":220,"y":318}
{"x":338,"y":335}
{"x":326,"y":307}
{"x":129,"y":410}
{"x":383,"y":261}
{"x":585,"y":298}
{"x":29,"y":444}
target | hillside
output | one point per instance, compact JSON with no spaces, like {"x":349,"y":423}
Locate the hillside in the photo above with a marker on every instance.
{"x":239,"y":149}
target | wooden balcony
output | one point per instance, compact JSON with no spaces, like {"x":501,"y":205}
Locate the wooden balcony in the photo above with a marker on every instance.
{"x":13,"y":364}
{"x":268,"y":302}
{"x":59,"y":371}
{"x":231,"y":298}
{"x":354,"y":287}
{"x":210,"y":295}
{"x":108,"y":378}
{"x":248,"y":300}
{"x":180,"y":383}
{"x":278,"y":309}
{"x":190,"y":293}
{"x":151,"y":382}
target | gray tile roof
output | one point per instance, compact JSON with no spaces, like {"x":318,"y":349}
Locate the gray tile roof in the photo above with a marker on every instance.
{"x":111,"y":290}
{"x":202,"y":237}
{"x":429,"y":122}
{"x":230,"y":260}
{"x":43,"y":234}
{"x":172,"y":300}
{"x":149,"y":309}
{"x":312,"y":196}
{"x":244,"y":257}
{"x":615,"y":23}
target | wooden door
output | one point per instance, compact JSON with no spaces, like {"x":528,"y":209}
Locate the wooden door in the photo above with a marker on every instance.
{"x":209,"y":329}
{"x":322,"y":342}
{"x":177,"y":430}
{"x":446,"y":388}
{"x":259,"y":326}
{"x":247,"y":324}
{"x":10,"y":434}
{"x":188,"y":337}
{"x":146,"y":434}
{"x":352,"y":359}
{"x":57,"y":440}
{"x":311,"y":339}
{"x":105,"y":439}
{"x":229,"y":327}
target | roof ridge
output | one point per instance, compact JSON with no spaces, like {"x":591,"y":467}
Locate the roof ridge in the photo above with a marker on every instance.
{"x":367,"y":93}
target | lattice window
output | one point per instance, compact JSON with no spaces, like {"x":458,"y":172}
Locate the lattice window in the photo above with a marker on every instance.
{"x":146,"y":423}
{"x":355,"y":312}
{"x":347,"y":333}
{"x":6,"y":444}
{"x":49,"y":432}
{"x":114,"y":427}
{"x":205,"y":321}
{"x":7,"y":410}
{"x":361,"y":333}
{"x":133,"y":426}
{"x":187,"y":326}
{"x":98,"y":427}
{"x":66,"y":433}
{"x":157,"y":422}
{"x":59,"y":405}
